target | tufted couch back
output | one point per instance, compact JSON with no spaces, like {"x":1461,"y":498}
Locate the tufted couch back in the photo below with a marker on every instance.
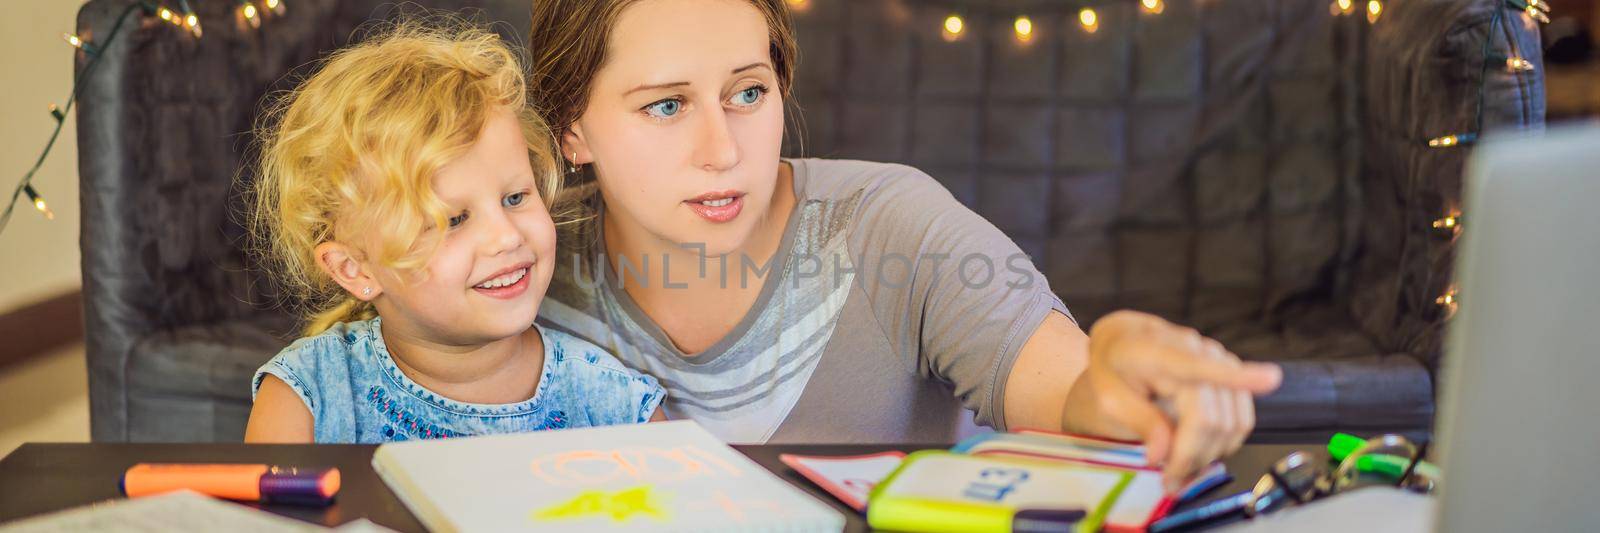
{"x":1256,"y":168}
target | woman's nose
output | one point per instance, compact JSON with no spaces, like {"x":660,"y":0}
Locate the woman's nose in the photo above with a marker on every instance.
{"x":716,"y":150}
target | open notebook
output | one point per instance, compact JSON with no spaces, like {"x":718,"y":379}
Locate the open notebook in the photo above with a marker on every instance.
{"x":666,"y":476}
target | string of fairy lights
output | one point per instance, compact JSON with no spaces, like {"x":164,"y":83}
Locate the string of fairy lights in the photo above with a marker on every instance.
{"x":181,"y":16}
{"x":1449,"y":224}
{"x":253,"y":13}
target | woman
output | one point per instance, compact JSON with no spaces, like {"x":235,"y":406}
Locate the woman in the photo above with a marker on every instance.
{"x":816,"y":300}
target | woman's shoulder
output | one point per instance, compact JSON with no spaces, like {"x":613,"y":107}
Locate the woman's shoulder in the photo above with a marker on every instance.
{"x":824,"y":179}
{"x":886,"y":203}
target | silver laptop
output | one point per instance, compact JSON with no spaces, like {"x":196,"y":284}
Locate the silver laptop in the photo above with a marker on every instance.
{"x":1518,"y":433}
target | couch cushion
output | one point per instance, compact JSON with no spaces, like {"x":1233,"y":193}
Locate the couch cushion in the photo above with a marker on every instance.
{"x":193,"y":383}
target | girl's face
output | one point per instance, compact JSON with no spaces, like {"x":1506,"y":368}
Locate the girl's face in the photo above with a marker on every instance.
{"x":684,"y":123}
{"x":491,"y":270}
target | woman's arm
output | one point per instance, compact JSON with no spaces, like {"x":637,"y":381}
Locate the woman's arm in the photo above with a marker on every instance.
{"x":973,"y":305}
{"x":1136,"y":376}
{"x":279,"y":416}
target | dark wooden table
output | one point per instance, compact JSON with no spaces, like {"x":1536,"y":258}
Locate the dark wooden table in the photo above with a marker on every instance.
{"x":40,"y":477}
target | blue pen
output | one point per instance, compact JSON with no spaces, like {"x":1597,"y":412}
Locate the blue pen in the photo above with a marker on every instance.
{"x":1222,"y":507}
{"x":1204,"y":486}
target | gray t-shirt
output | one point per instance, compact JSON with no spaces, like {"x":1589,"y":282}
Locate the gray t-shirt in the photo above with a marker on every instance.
{"x":889,"y":307}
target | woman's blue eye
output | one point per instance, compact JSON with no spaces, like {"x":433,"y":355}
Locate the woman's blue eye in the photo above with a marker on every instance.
{"x":749,"y":97}
{"x":664,"y":109}
{"x":458,"y":219}
{"x":514,"y":199}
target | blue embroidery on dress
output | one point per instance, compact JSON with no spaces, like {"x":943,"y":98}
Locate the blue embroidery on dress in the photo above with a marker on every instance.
{"x":555,"y":420}
{"x":403,"y":421}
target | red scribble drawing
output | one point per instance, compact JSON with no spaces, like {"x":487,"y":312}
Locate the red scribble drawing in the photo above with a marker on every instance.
{"x":635,"y":464}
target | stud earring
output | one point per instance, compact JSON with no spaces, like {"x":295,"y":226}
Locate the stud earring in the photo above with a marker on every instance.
{"x":366,"y":291}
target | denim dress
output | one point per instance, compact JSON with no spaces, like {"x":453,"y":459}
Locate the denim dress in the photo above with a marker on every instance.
{"x":356,"y":394}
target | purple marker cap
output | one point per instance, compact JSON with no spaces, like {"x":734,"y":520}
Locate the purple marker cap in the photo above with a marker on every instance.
{"x":299,"y":486}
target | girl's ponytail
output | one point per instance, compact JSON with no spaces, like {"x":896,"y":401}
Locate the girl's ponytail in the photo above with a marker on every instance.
{"x":348,"y":309}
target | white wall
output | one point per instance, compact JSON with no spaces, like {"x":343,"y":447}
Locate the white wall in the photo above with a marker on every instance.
{"x":38,"y":258}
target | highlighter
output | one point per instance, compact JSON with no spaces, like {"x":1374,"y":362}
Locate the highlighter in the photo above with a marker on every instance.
{"x":1344,"y":444}
{"x":245,"y":482}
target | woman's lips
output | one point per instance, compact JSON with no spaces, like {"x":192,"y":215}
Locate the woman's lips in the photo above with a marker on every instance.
{"x":717,"y":207}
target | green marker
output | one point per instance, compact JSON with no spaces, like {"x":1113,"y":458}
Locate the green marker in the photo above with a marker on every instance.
{"x":1344,"y":444}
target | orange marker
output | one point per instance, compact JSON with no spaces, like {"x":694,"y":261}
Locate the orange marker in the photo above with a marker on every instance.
{"x":257,"y":483}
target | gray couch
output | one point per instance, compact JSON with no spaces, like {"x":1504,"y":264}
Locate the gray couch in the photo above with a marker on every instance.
{"x":1256,"y":168}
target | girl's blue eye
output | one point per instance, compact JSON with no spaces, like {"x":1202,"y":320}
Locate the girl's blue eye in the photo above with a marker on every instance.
{"x":514,"y":200}
{"x":749,"y":97}
{"x":458,"y":219}
{"x":664,"y":109}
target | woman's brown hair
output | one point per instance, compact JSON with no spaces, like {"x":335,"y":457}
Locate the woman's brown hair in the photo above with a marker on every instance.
{"x":567,"y":45}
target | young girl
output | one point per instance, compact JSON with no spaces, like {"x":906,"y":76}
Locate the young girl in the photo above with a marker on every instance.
{"x":405,"y":192}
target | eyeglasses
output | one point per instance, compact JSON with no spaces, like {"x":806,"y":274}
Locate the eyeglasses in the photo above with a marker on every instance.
{"x":1299,"y":478}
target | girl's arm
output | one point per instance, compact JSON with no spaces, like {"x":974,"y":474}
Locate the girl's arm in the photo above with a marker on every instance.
{"x":278,"y":415}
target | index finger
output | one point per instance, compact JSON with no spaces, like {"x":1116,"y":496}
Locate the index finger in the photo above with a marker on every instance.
{"x":1170,"y":361}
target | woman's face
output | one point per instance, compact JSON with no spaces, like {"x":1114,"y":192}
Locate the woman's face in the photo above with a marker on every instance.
{"x":684,"y":123}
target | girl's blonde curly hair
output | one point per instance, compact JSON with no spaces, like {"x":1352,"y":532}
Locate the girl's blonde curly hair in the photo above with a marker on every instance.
{"x":349,"y":155}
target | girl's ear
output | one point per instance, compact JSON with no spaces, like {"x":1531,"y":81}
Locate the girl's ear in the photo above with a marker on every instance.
{"x":574,"y":149}
{"x":340,"y":263}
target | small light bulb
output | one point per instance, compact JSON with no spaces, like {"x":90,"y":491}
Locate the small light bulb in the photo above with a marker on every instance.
{"x":1089,"y":20}
{"x":166,"y":14}
{"x":56,"y":112}
{"x":1374,"y":9}
{"x":248,"y":11}
{"x":1448,"y":299}
{"x":72,"y":40}
{"x":1517,"y":64}
{"x":1448,"y":222}
{"x":191,"y":20}
{"x":799,"y":5}
{"x":1153,"y":7}
{"x":1534,"y":12}
{"x":953,"y":25}
{"x":1445,"y":141}
{"x":277,"y":7}
{"x":38,"y":202}
{"x":1024,"y":28}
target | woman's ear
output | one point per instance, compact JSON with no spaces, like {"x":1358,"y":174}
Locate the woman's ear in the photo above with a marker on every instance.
{"x":574,"y":148}
{"x":340,"y":263}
